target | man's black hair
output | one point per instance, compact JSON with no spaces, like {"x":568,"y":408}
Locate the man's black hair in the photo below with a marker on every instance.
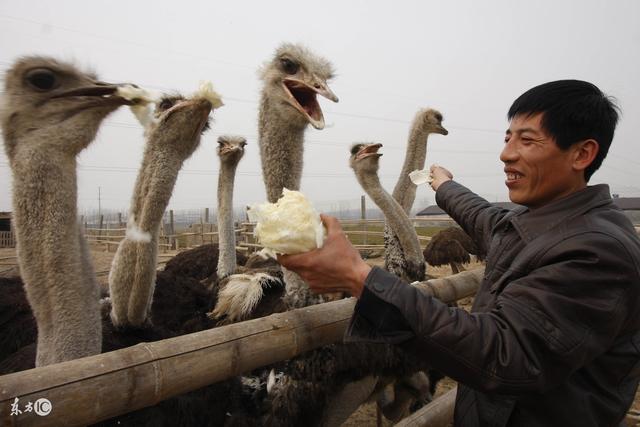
{"x":574,"y":111}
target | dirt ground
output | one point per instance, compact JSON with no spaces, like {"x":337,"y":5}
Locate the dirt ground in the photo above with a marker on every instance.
{"x":366,"y":415}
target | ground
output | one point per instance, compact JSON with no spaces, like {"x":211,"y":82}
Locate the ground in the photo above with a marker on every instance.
{"x":366,"y":415}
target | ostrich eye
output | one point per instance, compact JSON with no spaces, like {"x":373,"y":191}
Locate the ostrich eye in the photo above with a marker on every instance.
{"x":289,"y":66}
{"x":356,"y":148}
{"x":42,"y":79}
{"x":165,"y":104}
{"x":439,"y":117}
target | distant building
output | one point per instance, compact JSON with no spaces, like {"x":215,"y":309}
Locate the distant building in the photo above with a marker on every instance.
{"x":5,"y":221}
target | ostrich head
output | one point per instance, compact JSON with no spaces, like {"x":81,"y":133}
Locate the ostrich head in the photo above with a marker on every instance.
{"x":231,"y":148}
{"x":180,"y":119}
{"x":365,"y":158}
{"x":292,"y":80}
{"x":430,"y":121}
{"x":54,"y":103}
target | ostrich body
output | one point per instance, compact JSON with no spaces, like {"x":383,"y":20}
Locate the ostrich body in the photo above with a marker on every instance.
{"x":292,"y":80}
{"x":451,"y":246}
{"x":170,"y":142}
{"x":52,"y":112}
{"x":364,"y":162}
{"x":230,"y":151}
{"x":425,"y":122}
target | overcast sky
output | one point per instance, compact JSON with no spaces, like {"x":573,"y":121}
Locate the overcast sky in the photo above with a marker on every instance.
{"x":468,"y":59}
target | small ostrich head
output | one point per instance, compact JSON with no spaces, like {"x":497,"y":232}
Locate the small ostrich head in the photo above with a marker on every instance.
{"x":365,"y":158}
{"x":54,"y":103}
{"x":180,"y":119}
{"x":231,"y":148}
{"x":292,"y":79}
{"x":430,"y":121}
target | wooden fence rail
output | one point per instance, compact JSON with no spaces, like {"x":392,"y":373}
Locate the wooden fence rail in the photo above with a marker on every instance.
{"x":95,"y":388}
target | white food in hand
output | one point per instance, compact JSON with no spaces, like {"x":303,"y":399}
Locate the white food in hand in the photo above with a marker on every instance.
{"x":421,"y":177}
{"x":289,"y":226}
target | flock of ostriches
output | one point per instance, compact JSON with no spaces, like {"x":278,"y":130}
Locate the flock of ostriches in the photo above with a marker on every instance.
{"x":55,"y":311}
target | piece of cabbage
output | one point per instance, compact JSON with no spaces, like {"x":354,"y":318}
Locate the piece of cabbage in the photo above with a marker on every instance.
{"x":144,"y":106}
{"x":206,"y":91}
{"x":289,"y":226}
{"x":421,"y":177}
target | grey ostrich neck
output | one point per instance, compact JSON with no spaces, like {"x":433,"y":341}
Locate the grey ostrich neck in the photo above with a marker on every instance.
{"x":281,"y":149}
{"x":400,"y":225}
{"x":226,"y":232}
{"x":50,"y":252}
{"x":405,"y":191}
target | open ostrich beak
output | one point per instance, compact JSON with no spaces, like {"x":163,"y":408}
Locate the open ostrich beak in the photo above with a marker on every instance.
{"x":199,"y":108}
{"x":302,"y":96}
{"x":368,"y":151}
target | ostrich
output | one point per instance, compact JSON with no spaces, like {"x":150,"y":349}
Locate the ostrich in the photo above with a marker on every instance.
{"x":426,"y":122}
{"x":292,"y":80}
{"x":230,"y":151}
{"x":171,"y":140}
{"x":52,"y":112}
{"x":451,"y":246}
{"x":364,"y":162}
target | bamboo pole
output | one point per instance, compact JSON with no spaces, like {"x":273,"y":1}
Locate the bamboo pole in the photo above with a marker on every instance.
{"x":438,"y":413}
{"x":91,"y":389}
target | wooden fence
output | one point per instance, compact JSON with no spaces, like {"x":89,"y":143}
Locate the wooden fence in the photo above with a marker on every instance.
{"x":91,"y":389}
{"x":7,"y":239}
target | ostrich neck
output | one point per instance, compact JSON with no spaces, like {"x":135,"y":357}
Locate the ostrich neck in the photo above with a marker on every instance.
{"x":281,"y":150}
{"x":415,"y":157}
{"x":44,"y":199}
{"x":161,"y":165}
{"x":395,"y":216}
{"x":226,"y":233}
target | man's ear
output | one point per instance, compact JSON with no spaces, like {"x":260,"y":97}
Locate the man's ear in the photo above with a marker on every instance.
{"x":585,"y":153}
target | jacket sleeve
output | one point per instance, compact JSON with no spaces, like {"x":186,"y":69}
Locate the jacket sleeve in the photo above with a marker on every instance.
{"x":475,"y":215}
{"x":545,"y":326}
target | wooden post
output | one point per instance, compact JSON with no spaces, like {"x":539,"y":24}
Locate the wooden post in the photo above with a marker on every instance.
{"x":363,"y":217}
{"x":201,"y":231}
{"x":100,"y":226}
{"x":206,"y":215}
{"x":438,"y":413}
{"x":172,"y":230}
{"x":120,"y":225}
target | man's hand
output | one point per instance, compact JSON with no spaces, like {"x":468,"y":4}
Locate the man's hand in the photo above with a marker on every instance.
{"x":335,"y":267}
{"x":439,"y":175}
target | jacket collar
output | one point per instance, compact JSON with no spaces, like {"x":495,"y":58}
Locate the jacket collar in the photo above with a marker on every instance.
{"x":531,"y":224}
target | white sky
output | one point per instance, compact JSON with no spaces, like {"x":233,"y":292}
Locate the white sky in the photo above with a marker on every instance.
{"x":469,"y":59}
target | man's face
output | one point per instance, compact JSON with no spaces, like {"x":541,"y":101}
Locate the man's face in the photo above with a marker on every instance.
{"x":538,"y":171}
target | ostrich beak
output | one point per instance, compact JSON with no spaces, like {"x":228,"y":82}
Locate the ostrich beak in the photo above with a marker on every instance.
{"x":302,"y":96}
{"x":368,"y":151}
{"x":325,"y":91}
{"x":96,"y":89}
{"x":442,"y":131}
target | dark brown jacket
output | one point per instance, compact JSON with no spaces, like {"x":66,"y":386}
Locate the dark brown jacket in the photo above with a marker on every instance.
{"x":554,"y":333}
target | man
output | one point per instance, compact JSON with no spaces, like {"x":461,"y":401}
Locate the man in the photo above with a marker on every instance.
{"x":554,"y":333}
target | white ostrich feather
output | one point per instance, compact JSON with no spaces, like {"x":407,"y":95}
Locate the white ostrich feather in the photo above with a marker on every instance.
{"x":135,"y":233}
{"x":241,"y":295}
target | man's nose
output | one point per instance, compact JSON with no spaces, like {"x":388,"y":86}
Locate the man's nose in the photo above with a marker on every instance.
{"x":509,"y":153}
